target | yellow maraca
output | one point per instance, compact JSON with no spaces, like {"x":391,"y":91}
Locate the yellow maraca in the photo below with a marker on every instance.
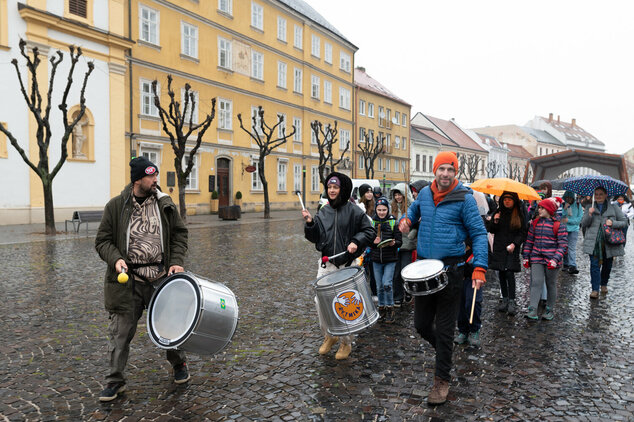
{"x":122,"y":277}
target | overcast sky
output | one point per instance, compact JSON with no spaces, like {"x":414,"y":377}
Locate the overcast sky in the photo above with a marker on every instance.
{"x":489,"y":63}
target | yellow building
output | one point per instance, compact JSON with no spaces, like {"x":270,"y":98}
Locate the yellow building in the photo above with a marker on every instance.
{"x":382,"y":115}
{"x":278,"y":54}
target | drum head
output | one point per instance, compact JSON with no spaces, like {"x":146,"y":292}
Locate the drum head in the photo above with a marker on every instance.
{"x":174,"y":309}
{"x":422,"y":269}
{"x":337,"y":276}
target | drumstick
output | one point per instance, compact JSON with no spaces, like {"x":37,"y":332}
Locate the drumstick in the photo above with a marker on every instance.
{"x":473,"y":305}
{"x":300,"y":199}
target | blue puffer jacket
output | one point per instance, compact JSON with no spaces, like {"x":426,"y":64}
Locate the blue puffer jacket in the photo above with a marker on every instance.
{"x":444,"y":229}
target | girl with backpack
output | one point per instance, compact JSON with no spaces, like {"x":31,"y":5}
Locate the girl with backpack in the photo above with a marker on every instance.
{"x":544,"y":251}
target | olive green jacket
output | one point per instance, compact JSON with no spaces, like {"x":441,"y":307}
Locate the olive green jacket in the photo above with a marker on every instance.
{"x":112,"y":244}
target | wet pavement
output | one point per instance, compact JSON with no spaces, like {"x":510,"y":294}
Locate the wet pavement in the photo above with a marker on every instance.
{"x":53,"y":356}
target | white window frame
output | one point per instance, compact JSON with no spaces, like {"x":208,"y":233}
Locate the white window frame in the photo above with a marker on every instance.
{"x":314,"y":179}
{"x":281,"y":126}
{"x":257,"y":16}
{"x":315,"y":86}
{"x":361,"y":162}
{"x":362,"y":107}
{"x":224,"y":47}
{"x":298,"y":37}
{"x":257,"y":65}
{"x":397,"y":116}
{"x":256,"y":183}
{"x":151,"y":24}
{"x":226,"y":6}
{"x":313,"y":137}
{"x":182,"y":108}
{"x":297,"y":177}
{"x":371,"y":110}
{"x":327,"y":52}
{"x":397,"y":142}
{"x":344,"y":61}
{"x":147,"y":151}
{"x":315,"y":46}
{"x":281,"y":28}
{"x":327,"y":91}
{"x":344,"y":139}
{"x":362,"y":132}
{"x":298,"y":76}
{"x":344,"y":98}
{"x":404,"y":140}
{"x":297,"y":122}
{"x":404,"y":120}
{"x":281,"y":74}
{"x":189,"y":41}
{"x":258,"y":129}
{"x":381,"y":119}
{"x":191,"y":184}
{"x":151,"y":109}
{"x":282,"y":173}
{"x":387,"y":164}
{"x":225,"y":114}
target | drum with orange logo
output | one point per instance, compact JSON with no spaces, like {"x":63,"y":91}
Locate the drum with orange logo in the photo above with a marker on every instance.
{"x":344,"y":301}
{"x":424,"y":277}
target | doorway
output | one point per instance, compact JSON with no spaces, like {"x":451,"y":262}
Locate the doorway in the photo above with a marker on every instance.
{"x":224,"y":193}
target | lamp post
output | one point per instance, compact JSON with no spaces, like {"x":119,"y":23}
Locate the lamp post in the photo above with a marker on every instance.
{"x":383,"y":182}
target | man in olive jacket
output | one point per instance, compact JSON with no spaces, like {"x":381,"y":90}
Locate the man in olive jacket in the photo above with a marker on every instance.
{"x":142,"y":233}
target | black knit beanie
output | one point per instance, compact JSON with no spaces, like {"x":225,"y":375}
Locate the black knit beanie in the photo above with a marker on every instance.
{"x":363,"y":189}
{"x":141,"y":167}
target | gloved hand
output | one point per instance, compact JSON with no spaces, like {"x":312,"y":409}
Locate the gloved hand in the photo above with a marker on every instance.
{"x":552,"y":264}
{"x":478,"y":277}
{"x":526,"y":263}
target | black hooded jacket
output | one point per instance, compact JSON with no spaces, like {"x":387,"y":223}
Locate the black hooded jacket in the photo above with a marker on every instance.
{"x":500,"y":259}
{"x":338,"y":223}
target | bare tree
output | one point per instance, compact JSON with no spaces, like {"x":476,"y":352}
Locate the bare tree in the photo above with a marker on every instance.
{"x":515,"y":171}
{"x":179,"y":125}
{"x":469,"y":166}
{"x":42,"y":118}
{"x":370,"y":151}
{"x":326,"y":139}
{"x":264,"y":137}
{"x":493,"y":168}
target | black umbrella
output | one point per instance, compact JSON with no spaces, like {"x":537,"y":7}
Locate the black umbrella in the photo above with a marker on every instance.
{"x":557,"y":184}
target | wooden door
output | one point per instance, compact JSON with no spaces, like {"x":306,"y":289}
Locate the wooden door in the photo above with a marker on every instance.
{"x":224,"y":192}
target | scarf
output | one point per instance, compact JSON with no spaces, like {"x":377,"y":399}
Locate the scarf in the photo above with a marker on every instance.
{"x":438,"y":195}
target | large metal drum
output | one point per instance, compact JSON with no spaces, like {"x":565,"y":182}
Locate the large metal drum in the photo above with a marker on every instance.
{"x":345,"y":302}
{"x":188,"y":312}
{"x":424,"y":277}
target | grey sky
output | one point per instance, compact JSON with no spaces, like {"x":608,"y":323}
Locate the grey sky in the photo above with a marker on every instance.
{"x":489,"y":63}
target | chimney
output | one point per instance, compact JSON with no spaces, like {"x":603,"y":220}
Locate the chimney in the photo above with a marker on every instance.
{"x":558,"y":121}
{"x":361,"y":68}
{"x":550,"y":117}
{"x":574,"y":122}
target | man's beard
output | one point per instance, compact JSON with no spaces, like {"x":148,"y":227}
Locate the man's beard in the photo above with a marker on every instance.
{"x":147,"y":192}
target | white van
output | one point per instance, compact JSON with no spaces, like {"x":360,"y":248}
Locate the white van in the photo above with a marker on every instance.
{"x":356,"y":183}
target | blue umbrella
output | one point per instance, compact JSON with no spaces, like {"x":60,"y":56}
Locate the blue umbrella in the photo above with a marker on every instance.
{"x":585,"y":185}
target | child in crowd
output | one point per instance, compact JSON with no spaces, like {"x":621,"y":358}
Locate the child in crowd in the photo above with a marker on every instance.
{"x":384,"y":257}
{"x":544,"y":252}
{"x":469,"y":332}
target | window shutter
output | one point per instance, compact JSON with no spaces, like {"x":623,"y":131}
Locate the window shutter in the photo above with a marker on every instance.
{"x":78,"y":7}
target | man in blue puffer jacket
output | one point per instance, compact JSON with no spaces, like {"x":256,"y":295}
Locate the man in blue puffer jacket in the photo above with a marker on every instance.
{"x":448,"y":217}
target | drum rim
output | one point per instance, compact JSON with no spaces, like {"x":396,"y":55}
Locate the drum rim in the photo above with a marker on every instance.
{"x":442,"y":270}
{"x":189,"y":277}
{"x":427,"y":292}
{"x":327,"y":286}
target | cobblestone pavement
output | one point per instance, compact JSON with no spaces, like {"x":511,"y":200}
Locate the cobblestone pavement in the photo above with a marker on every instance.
{"x":53,"y":357}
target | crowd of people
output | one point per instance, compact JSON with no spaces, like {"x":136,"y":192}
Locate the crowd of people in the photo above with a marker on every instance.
{"x":442,"y":221}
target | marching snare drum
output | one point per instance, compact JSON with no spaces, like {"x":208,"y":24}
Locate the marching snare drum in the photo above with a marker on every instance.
{"x":424,"y":277}
{"x":188,"y":312}
{"x":345,"y":302}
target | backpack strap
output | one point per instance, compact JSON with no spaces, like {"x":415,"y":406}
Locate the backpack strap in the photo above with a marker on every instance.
{"x":555,"y":226}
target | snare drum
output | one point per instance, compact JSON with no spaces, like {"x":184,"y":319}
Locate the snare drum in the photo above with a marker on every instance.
{"x":345,"y":302}
{"x":424,"y":277}
{"x":188,"y":312}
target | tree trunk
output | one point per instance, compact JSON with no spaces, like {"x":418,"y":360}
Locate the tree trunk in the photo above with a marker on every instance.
{"x":49,"y":212}
{"x":182,"y":206}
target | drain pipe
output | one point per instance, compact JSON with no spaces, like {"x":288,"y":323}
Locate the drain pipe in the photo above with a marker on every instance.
{"x":131,"y":99}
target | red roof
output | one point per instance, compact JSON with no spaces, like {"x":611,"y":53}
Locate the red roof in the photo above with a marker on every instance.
{"x":456,"y":134}
{"x":518,"y":151}
{"x":430,"y":133}
{"x":366,"y":82}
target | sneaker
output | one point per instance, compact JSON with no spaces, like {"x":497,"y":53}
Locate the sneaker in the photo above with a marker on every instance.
{"x":604,"y":290}
{"x":573,"y":270}
{"x":594,"y":294}
{"x":181,"y":375}
{"x":381,"y":313}
{"x":474,"y":339}
{"x":460,"y":338}
{"x":548,"y":315}
{"x":398,"y":303}
{"x":504,"y":303}
{"x":389,"y":315}
{"x":111,"y":391}
{"x":512,"y":308}
{"x":532,"y":314}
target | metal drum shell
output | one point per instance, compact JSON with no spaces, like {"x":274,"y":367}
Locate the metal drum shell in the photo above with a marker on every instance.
{"x":326,"y":293}
{"x":214,"y":319}
{"x":411,"y":284}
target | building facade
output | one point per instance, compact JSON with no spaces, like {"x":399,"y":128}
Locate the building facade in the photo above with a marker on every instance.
{"x":96,"y":165}
{"x":424,"y":147}
{"x":381,"y":115}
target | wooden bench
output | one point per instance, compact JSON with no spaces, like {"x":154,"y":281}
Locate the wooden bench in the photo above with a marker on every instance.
{"x":81,"y":217}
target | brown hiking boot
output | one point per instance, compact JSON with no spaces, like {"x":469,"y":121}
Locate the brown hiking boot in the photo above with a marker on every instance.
{"x":327,"y":344}
{"x":594,"y":295}
{"x":604,"y":290}
{"x":438,"y":393}
{"x":344,"y":351}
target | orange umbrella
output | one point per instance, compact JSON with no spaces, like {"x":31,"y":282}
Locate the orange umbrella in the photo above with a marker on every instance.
{"x":499,"y":185}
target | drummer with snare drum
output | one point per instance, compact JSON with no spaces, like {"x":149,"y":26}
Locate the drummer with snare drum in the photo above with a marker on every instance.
{"x":142,"y":233}
{"x":339,"y":227}
{"x":448,"y":216}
